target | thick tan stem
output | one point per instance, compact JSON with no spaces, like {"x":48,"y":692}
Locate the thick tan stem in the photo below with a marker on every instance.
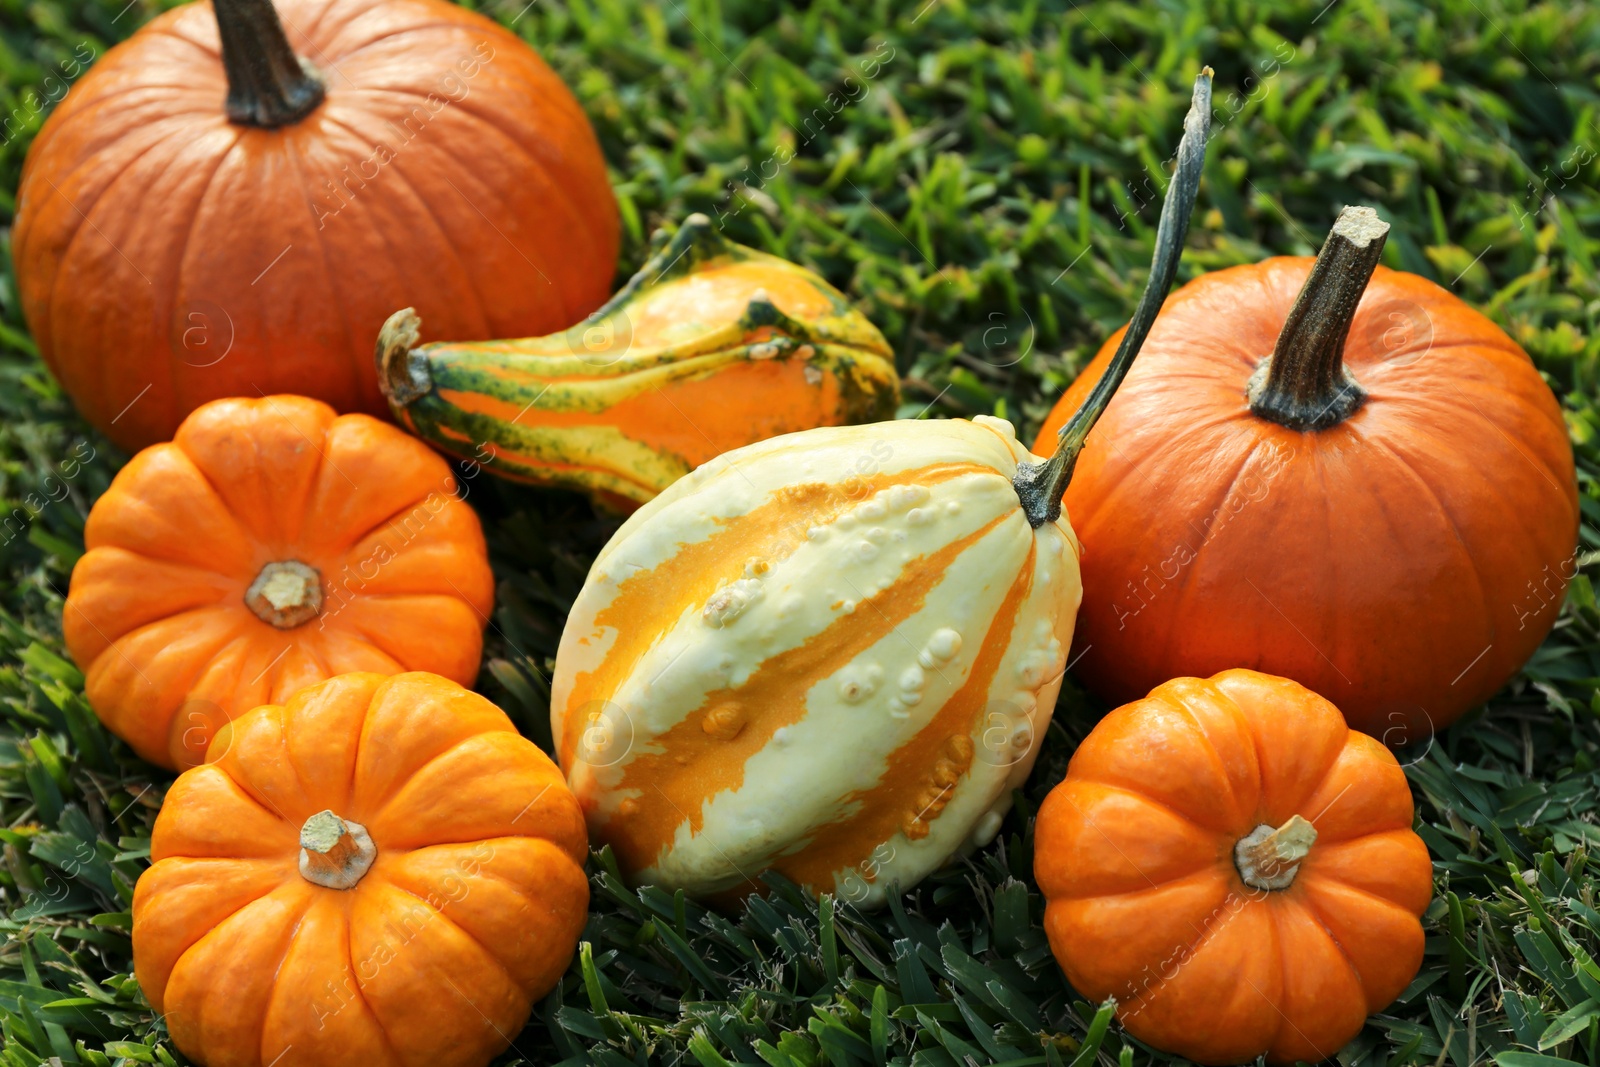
{"x":1269,"y":858}
{"x":335,"y":852}
{"x":286,"y":594}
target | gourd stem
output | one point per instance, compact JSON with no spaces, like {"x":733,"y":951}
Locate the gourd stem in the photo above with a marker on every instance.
{"x":268,"y":85}
{"x":1304,"y":385}
{"x":1041,"y":485}
{"x":1269,"y":858}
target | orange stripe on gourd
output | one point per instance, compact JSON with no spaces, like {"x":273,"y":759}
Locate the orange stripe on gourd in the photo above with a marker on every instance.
{"x":907,"y":798}
{"x":772,"y":530}
{"x":703,"y":755}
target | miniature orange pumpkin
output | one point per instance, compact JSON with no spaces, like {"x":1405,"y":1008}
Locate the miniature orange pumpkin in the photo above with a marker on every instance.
{"x":1237,"y":867}
{"x":271,"y":545}
{"x":381,"y":872}
{"x":1384,"y":510}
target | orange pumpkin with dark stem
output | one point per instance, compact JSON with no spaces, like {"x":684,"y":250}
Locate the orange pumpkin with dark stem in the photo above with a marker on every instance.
{"x":382,"y":872}
{"x":270,"y":546}
{"x":222,"y":208}
{"x":1237,"y":868}
{"x":1384,"y":510}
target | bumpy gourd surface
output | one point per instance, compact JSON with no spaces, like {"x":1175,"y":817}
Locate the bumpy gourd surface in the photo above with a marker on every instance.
{"x":468,"y":915}
{"x":831,"y":654}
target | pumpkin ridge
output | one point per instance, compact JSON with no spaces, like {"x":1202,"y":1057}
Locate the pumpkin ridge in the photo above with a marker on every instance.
{"x":397,"y":791}
{"x":246,"y":535}
{"x":240,"y":639}
{"x":347,"y":543}
{"x":1133,"y":791}
{"x":1312,"y":871}
{"x":543,"y":165}
{"x":292,"y":151}
{"x":330,"y":117}
{"x":1438,"y":503}
{"x":467,"y":277}
{"x":566,"y":312}
{"x":177,"y":285}
{"x":1544,"y":472}
{"x":277,"y":969}
{"x":1300,"y":900}
{"x":348,"y":943}
{"x":1515,"y":513}
{"x":200,"y":935}
{"x":1175,"y":616}
{"x":1172,"y":700}
{"x":504,"y":969}
{"x":288,"y":940}
{"x":83,"y":222}
{"x":1551,"y":476}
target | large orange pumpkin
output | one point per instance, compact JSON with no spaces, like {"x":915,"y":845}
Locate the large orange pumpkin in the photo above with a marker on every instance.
{"x":270,"y":546}
{"x":380,"y":873}
{"x":1384,"y":511}
{"x":205,"y":215}
{"x":1237,"y":868}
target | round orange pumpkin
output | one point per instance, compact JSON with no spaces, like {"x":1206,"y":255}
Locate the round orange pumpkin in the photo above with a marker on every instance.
{"x":1385,"y":510}
{"x":1237,"y":867}
{"x":269,"y":546}
{"x":223,"y":208}
{"x":381,"y":872}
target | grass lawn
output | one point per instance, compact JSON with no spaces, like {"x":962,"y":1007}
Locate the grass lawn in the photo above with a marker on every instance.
{"x":983,"y":177}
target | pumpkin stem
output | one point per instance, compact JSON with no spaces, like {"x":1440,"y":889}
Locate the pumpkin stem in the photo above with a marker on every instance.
{"x":268,"y":85}
{"x":334,"y":852}
{"x":1268,"y":858}
{"x":1303,"y":385}
{"x":1040,"y":485}
{"x":286,"y":594}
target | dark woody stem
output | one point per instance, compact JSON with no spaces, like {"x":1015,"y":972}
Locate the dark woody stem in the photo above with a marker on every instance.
{"x":1303,"y":385}
{"x":268,"y":85}
{"x":1040,"y":485}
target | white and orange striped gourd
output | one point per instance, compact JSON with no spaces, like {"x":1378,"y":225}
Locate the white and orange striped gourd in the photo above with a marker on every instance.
{"x":832,"y":654}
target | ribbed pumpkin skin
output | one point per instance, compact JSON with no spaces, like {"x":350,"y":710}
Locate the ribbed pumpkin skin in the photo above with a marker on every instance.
{"x":157,"y":616}
{"x":711,"y":346}
{"x":1404,"y":563}
{"x":830,"y":654}
{"x":166,"y":257}
{"x":469,"y":914}
{"x":1134,"y":853}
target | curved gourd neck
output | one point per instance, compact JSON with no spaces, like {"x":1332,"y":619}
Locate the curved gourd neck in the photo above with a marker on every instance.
{"x":1041,"y":485}
{"x":268,"y":85}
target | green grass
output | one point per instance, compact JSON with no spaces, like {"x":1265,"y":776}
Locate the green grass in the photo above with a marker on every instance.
{"x":983,"y":178}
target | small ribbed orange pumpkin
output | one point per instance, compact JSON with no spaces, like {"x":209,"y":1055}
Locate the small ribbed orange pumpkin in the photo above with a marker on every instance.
{"x":380,"y":873}
{"x":1237,"y":868}
{"x":271,"y":545}
{"x":1385,"y":510}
